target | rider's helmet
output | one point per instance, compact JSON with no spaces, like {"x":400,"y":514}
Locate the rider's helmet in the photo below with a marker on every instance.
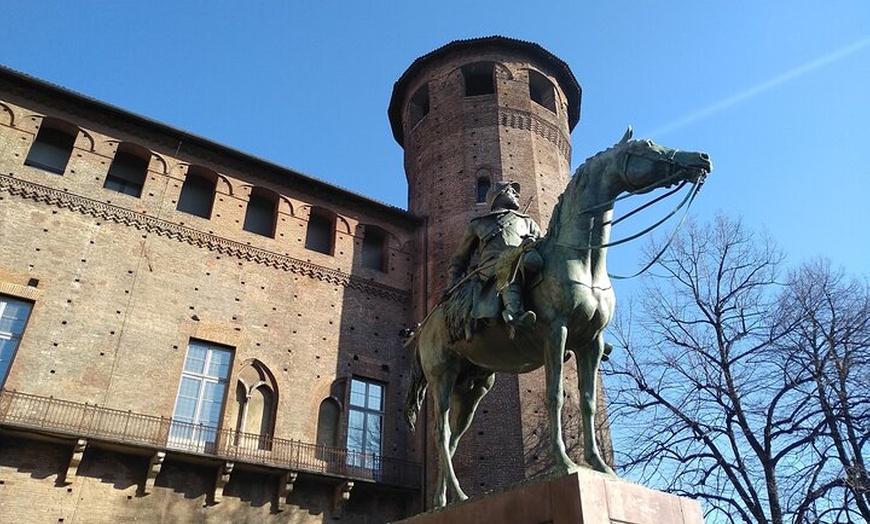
{"x":497,"y":188}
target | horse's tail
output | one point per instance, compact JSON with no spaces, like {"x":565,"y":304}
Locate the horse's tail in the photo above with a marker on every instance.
{"x":417,"y":391}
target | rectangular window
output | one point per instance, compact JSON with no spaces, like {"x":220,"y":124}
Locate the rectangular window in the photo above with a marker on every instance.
{"x":197,"y":195}
{"x":50,"y":150}
{"x":373,"y":249}
{"x":365,"y":422}
{"x":199,"y":403}
{"x":127,"y":174}
{"x":13,"y":318}
{"x":320,"y":232}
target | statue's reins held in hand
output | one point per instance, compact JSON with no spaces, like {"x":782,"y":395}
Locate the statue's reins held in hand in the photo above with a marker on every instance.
{"x":573,"y":301}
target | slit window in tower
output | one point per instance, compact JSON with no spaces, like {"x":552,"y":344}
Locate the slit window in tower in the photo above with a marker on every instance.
{"x":542,"y":91}
{"x":419,"y":104}
{"x":479,"y":78}
{"x":483,"y":185}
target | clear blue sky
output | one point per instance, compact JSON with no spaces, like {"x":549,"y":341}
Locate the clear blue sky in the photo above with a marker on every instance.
{"x":776,"y":92}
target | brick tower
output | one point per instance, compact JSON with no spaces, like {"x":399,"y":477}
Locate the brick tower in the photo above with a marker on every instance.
{"x":468,"y":114}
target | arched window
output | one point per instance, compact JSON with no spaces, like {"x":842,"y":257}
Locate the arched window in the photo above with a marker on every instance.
{"x":197,"y":193}
{"x":321,"y":231}
{"x":328,"y":418}
{"x":483,"y":185}
{"x":261,"y":214}
{"x":479,"y":78}
{"x":128,"y":170}
{"x":256,"y":398}
{"x":541,"y":90}
{"x":52,"y":147}
{"x":419,"y":104}
{"x":374,"y":248}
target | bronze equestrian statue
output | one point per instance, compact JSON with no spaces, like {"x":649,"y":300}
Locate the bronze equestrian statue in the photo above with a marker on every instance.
{"x":571,"y":296}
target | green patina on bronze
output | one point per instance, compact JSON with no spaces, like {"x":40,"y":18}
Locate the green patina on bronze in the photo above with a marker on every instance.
{"x":572,"y":299}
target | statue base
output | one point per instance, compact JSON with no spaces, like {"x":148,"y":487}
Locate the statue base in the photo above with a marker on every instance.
{"x":585,"y":497}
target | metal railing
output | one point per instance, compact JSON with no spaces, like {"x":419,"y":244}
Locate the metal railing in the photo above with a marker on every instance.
{"x":23,"y":410}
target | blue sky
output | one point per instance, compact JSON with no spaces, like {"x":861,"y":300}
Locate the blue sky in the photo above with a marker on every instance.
{"x":775,"y":92}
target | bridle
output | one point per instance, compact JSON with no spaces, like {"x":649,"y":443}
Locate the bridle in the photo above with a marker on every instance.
{"x":673,"y":170}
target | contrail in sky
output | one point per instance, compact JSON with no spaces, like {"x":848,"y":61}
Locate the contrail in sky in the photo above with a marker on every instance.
{"x":812,"y":65}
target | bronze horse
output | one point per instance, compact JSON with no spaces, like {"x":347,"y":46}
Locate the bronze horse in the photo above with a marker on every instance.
{"x":573,"y":299}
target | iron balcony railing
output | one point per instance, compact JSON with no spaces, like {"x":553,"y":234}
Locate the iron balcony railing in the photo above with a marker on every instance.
{"x":23,"y":410}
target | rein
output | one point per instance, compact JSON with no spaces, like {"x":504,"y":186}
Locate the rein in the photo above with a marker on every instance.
{"x":690,"y":198}
{"x":687,"y":202}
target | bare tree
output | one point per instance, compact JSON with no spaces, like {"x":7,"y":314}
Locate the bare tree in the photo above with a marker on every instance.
{"x":716,"y":395}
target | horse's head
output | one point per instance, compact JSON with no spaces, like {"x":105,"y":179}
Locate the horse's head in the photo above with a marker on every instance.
{"x":645,"y":166}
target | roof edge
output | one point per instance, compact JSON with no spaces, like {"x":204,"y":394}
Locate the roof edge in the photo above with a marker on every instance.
{"x":566,"y":77}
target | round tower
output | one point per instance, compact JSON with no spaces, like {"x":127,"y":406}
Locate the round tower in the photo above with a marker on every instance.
{"x":468,"y":114}
{"x":475,"y":112}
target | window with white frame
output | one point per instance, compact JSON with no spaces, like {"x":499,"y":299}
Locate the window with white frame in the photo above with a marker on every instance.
{"x":365,"y":422}
{"x":199,"y":404}
{"x":13,"y":318}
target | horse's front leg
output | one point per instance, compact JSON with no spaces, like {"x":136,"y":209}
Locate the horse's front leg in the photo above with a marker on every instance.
{"x":447,"y":485}
{"x":588,"y":361}
{"x":555,"y":398}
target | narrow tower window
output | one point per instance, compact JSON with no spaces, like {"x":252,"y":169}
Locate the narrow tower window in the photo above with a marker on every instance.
{"x":541,"y":90}
{"x":51,"y":149}
{"x":419,"y":105}
{"x":483,"y":185}
{"x":479,"y":78}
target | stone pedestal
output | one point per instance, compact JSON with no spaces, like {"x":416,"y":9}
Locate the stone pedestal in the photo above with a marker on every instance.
{"x":584,"y":497}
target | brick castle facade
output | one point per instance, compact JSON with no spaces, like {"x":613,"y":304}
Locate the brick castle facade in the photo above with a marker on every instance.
{"x":192,"y":334}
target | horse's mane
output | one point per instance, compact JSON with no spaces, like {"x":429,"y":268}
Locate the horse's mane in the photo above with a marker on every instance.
{"x":576,"y":184}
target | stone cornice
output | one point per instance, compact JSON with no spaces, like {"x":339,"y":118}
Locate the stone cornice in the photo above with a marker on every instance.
{"x":86,"y":206}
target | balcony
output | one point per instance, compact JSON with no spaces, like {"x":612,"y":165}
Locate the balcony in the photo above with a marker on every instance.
{"x":89,"y":421}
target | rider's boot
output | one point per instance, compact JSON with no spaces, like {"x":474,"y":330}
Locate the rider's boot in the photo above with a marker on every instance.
{"x":514,"y":315}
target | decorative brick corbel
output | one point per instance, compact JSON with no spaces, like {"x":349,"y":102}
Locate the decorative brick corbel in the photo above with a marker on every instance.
{"x":286,"y":483}
{"x":154,"y":467}
{"x":342,"y":495}
{"x":223,"y":476}
{"x":73,"y":468}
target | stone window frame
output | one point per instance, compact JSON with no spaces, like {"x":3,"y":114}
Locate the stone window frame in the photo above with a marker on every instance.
{"x":256,"y":377}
